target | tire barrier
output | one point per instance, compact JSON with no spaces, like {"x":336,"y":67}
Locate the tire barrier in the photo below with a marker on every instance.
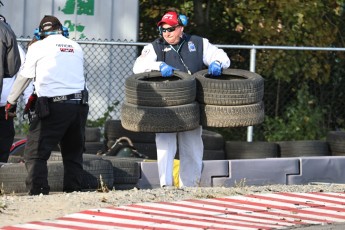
{"x":250,"y":150}
{"x":336,"y":140}
{"x":93,"y":142}
{"x":303,"y":148}
{"x":12,"y":176}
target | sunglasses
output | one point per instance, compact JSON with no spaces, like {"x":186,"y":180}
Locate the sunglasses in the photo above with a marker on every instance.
{"x":169,"y":29}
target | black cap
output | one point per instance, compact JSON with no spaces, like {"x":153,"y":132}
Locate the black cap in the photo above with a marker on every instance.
{"x":50,"y":23}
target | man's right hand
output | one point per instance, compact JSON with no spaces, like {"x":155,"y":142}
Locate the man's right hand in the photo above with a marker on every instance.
{"x":10,"y":110}
{"x":30,"y":105}
{"x":166,"y":70}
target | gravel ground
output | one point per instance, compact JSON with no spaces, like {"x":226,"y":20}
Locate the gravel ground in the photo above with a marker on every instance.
{"x":16,"y":209}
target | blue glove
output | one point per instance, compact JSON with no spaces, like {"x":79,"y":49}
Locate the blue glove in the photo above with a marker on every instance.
{"x":215,"y":68}
{"x":166,"y":69}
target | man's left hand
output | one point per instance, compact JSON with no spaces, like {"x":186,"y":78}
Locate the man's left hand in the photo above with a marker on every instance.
{"x":10,"y":110}
{"x":215,"y":68}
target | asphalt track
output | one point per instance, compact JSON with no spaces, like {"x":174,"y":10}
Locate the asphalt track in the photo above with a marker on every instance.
{"x":259,"y":211}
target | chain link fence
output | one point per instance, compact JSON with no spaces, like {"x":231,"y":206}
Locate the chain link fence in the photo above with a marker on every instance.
{"x":107,"y":64}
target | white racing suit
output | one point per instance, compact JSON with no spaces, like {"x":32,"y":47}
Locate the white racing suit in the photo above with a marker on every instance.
{"x":190,"y":152}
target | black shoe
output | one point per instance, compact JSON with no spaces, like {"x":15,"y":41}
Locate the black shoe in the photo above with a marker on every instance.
{"x":69,"y":190}
{"x":38,"y":192}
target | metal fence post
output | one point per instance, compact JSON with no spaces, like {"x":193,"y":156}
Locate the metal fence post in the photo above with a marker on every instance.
{"x":252,"y":69}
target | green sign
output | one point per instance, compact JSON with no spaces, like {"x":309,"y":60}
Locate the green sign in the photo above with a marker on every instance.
{"x":78,"y":7}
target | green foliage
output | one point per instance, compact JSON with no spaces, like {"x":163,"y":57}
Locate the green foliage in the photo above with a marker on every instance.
{"x":101,"y":121}
{"x":272,"y":22}
{"x":302,"y":120}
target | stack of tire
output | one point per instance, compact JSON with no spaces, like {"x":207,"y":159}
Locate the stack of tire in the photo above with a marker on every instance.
{"x":93,"y":141}
{"x":160,"y":105}
{"x":119,"y":173}
{"x":250,"y":150}
{"x":155,"y":104}
{"x":303,"y":148}
{"x":233,"y":99}
{"x":282,"y":149}
{"x":95,"y":171}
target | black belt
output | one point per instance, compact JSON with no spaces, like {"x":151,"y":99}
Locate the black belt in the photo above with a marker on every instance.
{"x":76,"y":102}
{"x":66,"y":98}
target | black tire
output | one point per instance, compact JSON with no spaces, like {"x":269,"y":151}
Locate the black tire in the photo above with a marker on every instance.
{"x":13,"y":177}
{"x":250,"y":150}
{"x":336,"y":141}
{"x":93,"y":147}
{"x":56,"y":156}
{"x":212,"y":140}
{"x":149,"y":149}
{"x":160,"y":119}
{"x":151,"y":89}
{"x":213,"y":154}
{"x":96,"y":171}
{"x":113,"y":130}
{"x":125,"y":170}
{"x":94,"y":168}
{"x":92,"y":134}
{"x":233,"y":87}
{"x":303,"y":148}
{"x":232,"y":116}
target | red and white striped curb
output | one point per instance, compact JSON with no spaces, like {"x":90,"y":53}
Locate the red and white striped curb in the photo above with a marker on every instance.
{"x":259,"y":211}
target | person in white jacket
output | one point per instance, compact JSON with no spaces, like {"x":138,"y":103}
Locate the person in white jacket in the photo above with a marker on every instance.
{"x":176,"y":50}
{"x":7,"y":131}
{"x":56,"y":63}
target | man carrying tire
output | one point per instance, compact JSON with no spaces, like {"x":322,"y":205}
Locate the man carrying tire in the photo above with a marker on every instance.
{"x":175,"y":50}
{"x":56,"y":64}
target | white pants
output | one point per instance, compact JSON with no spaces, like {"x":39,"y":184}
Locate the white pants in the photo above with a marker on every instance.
{"x":190,"y":152}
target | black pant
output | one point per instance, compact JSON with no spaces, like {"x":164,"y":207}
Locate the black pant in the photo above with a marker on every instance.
{"x":65,"y":126}
{"x":6,"y":135}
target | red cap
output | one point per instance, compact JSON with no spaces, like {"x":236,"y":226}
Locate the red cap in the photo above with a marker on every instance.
{"x":169,"y":18}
